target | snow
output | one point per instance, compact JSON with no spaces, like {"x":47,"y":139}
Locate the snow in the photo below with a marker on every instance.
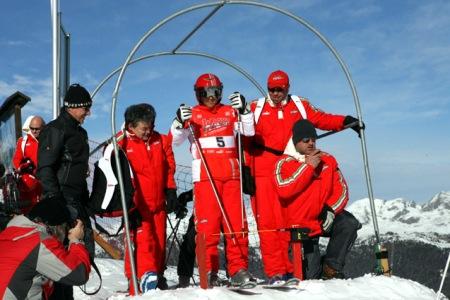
{"x":366,"y":287}
{"x":402,"y":219}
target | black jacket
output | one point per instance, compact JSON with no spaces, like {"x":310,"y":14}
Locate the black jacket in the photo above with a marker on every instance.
{"x":63,"y":157}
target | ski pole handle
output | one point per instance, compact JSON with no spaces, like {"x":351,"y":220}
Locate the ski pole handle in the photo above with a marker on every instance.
{"x":333,"y":132}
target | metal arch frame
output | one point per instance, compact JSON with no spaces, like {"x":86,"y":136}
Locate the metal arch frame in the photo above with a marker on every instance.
{"x":187,"y":53}
{"x":217,"y":5}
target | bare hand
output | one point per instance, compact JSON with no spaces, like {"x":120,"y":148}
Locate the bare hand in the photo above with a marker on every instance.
{"x":314,"y":158}
{"x":77,"y":232}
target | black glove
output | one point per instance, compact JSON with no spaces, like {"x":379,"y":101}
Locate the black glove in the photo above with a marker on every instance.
{"x":349,"y":120}
{"x":327,"y":218}
{"x":26,"y":166}
{"x":181,"y":210}
{"x":171,"y":200}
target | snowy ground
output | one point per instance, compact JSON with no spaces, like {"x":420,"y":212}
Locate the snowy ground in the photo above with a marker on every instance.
{"x":366,"y":287}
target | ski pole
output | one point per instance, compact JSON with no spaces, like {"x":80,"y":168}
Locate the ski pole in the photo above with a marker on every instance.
{"x":239,"y":145}
{"x":443,"y":277}
{"x":333,"y":132}
{"x":213,"y":186}
{"x":174,"y":239}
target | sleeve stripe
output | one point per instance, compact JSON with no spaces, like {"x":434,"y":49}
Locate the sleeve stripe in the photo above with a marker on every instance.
{"x":343,"y":196}
{"x":290,"y":179}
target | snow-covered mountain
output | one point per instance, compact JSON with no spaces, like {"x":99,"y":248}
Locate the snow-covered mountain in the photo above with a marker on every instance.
{"x":399,"y":219}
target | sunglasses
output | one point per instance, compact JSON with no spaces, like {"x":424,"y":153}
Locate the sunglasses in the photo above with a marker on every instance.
{"x":210,"y":92}
{"x":35,"y":128}
{"x":307,"y":140}
{"x":277,"y":89}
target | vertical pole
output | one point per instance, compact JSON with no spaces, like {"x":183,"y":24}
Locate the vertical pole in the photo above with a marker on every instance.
{"x":438,"y":296}
{"x":55,"y":49}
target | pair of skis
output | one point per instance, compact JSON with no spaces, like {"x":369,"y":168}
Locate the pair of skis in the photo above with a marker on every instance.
{"x":285,"y":286}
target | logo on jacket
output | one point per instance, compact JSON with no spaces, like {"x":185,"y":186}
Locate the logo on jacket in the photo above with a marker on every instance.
{"x":212,"y":125}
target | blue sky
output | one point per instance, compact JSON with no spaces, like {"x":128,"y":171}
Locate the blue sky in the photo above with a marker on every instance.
{"x":398,"y":53}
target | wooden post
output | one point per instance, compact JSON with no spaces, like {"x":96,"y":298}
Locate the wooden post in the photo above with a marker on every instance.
{"x":115,"y":253}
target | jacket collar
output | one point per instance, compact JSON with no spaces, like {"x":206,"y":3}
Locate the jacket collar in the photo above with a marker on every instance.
{"x":68,"y":118}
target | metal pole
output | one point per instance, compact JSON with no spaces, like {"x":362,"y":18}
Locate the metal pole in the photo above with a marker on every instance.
{"x":125,"y":216}
{"x":188,"y":36}
{"x":54,"y":4}
{"x":239,"y":146}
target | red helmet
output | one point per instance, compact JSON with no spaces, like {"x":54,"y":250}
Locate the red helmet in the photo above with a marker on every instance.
{"x":208,"y":85}
{"x":28,"y":183}
{"x":278,"y":79}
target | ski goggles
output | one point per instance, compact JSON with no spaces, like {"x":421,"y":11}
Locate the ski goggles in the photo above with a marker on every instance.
{"x":213,"y":91}
{"x":276,"y":89}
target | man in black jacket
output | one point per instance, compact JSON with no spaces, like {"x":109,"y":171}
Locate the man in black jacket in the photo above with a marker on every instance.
{"x":63,"y":156}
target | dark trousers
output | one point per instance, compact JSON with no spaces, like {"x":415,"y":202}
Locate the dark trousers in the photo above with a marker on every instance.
{"x":312,"y":268}
{"x":186,"y":257}
{"x":342,"y":236}
{"x":78,"y":210}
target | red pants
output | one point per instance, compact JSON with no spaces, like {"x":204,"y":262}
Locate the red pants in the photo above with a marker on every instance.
{"x":269,"y":217}
{"x":149,"y":245}
{"x":210,"y":221}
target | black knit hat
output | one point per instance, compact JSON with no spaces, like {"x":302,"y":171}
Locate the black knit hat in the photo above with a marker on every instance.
{"x":77,"y":96}
{"x":51,"y":211}
{"x":303,"y":129}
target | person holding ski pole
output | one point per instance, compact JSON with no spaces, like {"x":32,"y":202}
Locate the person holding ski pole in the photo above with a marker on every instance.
{"x":313,"y":193}
{"x":152,"y":161}
{"x":210,"y":126}
{"x":275,"y":115}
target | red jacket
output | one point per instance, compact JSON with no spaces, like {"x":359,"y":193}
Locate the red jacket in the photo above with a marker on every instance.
{"x":215,"y":131}
{"x":274,"y":129}
{"x":304,"y":190}
{"x":30,"y":150}
{"x":153,"y":166}
{"x":28,"y":251}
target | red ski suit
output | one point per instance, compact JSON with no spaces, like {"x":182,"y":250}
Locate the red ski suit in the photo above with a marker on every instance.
{"x":215,"y":130}
{"x":30,"y":257}
{"x":27,"y":147}
{"x":273,"y":130}
{"x":304,"y":190}
{"x":153,"y":167}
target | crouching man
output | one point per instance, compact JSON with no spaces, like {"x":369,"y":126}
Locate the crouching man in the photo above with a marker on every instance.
{"x":32,"y":254}
{"x":314,"y":193}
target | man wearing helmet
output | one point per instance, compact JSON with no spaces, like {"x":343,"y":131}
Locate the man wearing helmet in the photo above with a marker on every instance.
{"x":274,"y":118}
{"x":213,"y":125}
{"x":25,"y":162}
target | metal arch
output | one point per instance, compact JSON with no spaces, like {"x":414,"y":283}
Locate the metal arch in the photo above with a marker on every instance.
{"x":303,"y":22}
{"x":187,"y":53}
{"x":219,"y":5}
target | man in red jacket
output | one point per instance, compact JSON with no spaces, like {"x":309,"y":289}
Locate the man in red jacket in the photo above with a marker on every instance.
{"x":152,"y":162}
{"x":32,"y":255}
{"x":313,"y":193}
{"x":214,"y":124}
{"x":274,"y":118}
{"x":25,"y":162}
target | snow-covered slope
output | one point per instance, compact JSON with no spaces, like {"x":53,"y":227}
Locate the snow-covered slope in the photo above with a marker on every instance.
{"x":366,"y":287}
{"x":405,"y":220}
